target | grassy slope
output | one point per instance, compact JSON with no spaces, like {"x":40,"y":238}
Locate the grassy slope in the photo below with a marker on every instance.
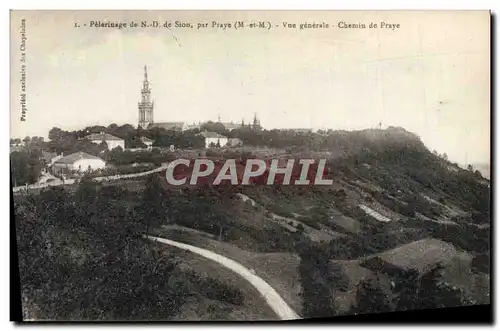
{"x":278,"y":269}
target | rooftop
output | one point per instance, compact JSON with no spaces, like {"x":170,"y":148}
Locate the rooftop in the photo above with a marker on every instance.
{"x":72,"y":158}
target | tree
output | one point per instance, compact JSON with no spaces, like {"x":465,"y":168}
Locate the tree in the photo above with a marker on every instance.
{"x":153,"y":209}
{"x":317,"y":290}
{"x":370,"y":298}
{"x":36,"y":143}
{"x":339,"y":277}
{"x":410,"y":287}
{"x":86,"y":192}
{"x":26,"y":140}
{"x":56,"y":134}
{"x":340,"y":195}
{"x":434,"y":292}
{"x":216,"y":127}
{"x":112,"y":127}
{"x":470,"y":168}
{"x":103,"y":146}
{"x":430,"y":291}
{"x":26,"y":167}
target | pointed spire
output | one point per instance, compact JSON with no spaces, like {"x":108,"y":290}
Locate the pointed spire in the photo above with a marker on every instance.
{"x":145,"y":72}
{"x":256,"y":123}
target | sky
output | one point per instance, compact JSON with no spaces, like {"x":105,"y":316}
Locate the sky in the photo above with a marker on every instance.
{"x":430,"y":76}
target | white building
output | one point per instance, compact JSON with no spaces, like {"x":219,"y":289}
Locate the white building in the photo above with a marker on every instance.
{"x":79,"y":161}
{"x":111,"y":141}
{"x":214,"y":139}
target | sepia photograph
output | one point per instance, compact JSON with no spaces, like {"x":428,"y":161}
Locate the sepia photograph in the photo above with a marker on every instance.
{"x":250,"y":165}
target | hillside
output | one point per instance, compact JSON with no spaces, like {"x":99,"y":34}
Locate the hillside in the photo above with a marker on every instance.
{"x":310,"y":243}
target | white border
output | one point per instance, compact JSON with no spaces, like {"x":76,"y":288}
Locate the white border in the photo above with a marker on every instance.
{"x":494,"y":5}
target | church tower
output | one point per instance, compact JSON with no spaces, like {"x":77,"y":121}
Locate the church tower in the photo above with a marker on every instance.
{"x":145,"y":105}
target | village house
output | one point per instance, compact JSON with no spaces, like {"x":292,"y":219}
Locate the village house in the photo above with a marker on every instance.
{"x":111,"y":141}
{"x":213,"y":139}
{"x":79,"y":161}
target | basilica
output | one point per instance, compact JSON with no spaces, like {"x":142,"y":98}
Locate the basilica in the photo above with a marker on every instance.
{"x":146,"y":113}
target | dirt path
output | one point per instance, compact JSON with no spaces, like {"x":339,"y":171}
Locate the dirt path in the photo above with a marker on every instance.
{"x":277,"y":304}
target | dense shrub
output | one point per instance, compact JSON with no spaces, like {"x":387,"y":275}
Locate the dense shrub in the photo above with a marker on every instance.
{"x":316,"y":280}
{"x":370,"y":299}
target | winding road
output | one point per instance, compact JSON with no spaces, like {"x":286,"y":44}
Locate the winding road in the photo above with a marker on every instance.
{"x":273,"y":299}
{"x":59,"y":182}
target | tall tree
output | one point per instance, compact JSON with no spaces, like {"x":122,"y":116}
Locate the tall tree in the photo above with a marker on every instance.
{"x":317,"y":290}
{"x":26,"y":167}
{"x":370,"y":298}
{"x":434,"y":292}
{"x":153,"y":208}
{"x":26,"y":140}
{"x":56,"y":133}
